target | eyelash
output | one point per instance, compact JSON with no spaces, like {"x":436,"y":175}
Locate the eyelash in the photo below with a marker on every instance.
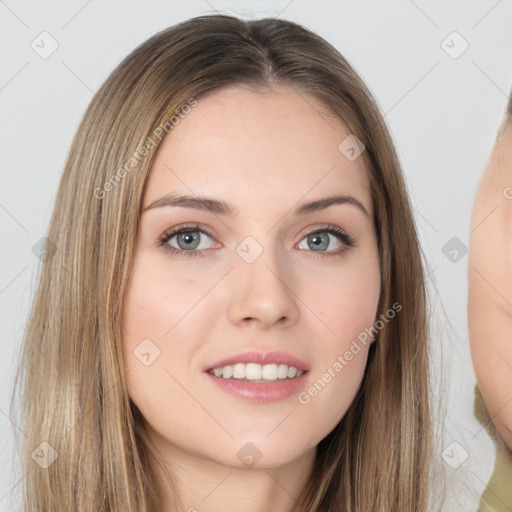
{"x":334,"y":230}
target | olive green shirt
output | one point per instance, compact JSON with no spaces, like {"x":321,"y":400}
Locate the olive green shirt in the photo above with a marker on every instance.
{"x":497,"y":496}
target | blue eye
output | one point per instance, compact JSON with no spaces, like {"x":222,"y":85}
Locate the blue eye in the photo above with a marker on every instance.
{"x":188,"y":239}
{"x":320,"y":238}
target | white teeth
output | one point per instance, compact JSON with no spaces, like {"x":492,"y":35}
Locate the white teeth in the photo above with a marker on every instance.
{"x":292,"y":372}
{"x":257,"y":372}
{"x":269,"y":372}
{"x":282,"y":371}
{"x":253,"y":371}
{"x":239,"y":371}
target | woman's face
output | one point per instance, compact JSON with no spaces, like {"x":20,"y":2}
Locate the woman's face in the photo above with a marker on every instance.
{"x":251,"y":292}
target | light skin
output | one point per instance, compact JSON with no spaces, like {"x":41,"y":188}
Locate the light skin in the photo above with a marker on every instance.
{"x":265,"y":154}
{"x":490,"y":284}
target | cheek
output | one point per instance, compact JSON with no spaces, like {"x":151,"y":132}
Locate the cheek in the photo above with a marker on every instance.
{"x":158,"y":347}
{"x":347,"y":305}
{"x":158,"y":300}
{"x":165,"y":319}
{"x":346,"y":300}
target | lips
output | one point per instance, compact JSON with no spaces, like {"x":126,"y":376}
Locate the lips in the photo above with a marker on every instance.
{"x":274,"y":357}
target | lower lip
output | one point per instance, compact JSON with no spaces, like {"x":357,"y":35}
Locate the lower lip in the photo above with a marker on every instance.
{"x":260,"y":392}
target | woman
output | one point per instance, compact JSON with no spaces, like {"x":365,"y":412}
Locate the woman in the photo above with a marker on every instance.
{"x":284,"y":366}
{"x":490,"y":311}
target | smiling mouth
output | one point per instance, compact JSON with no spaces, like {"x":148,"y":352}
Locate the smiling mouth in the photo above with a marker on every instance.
{"x":253,"y":372}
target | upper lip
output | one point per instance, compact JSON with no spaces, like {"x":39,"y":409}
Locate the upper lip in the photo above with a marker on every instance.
{"x":274,"y":357}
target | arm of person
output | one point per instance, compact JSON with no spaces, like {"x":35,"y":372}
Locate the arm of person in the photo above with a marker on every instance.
{"x":490,"y":284}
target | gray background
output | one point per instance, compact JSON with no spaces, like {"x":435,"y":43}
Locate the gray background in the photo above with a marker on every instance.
{"x":443,"y":113}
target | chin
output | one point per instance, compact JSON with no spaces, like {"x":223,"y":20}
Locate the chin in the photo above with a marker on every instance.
{"x":261,"y":453}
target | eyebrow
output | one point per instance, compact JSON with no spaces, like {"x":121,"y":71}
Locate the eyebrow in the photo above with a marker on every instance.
{"x":223,"y":208}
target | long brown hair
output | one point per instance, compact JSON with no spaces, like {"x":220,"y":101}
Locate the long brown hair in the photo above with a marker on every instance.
{"x":74,"y":394}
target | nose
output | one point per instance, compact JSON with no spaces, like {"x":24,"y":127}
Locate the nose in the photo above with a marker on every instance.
{"x":262,"y":293}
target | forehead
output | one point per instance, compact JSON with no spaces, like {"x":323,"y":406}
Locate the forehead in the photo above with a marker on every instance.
{"x":278,"y":146}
